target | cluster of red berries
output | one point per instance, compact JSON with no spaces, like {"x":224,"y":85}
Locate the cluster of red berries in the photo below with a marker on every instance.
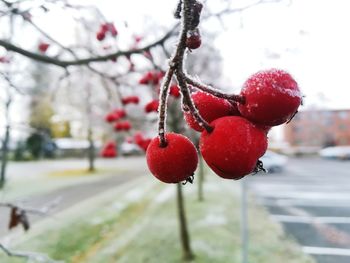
{"x":238,"y":134}
{"x":104,"y":29}
{"x":130,"y":100}
{"x":115,"y":115}
{"x":109,"y":150}
{"x":122,"y":126}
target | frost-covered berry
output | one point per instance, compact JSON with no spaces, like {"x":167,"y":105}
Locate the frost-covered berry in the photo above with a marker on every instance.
{"x":193,"y":40}
{"x":233,"y":148}
{"x":209,"y":107}
{"x":175,"y":162}
{"x":272,"y":97}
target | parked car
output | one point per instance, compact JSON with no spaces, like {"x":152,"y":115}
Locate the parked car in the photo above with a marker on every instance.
{"x":336,"y":152}
{"x":128,"y":149}
{"x":274,"y":162}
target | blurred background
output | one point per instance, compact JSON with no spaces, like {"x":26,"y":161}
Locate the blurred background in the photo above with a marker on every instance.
{"x":78,"y":105}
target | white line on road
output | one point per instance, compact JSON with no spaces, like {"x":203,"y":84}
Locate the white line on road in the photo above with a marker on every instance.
{"x":296,"y":202}
{"x":306,"y":195}
{"x":326,"y":251}
{"x":309,"y":220}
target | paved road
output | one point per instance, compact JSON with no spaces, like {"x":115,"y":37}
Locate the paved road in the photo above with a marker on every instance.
{"x":311,"y":199}
{"x":130,"y":169}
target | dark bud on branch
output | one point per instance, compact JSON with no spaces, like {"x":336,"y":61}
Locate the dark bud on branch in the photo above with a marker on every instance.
{"x":177,"y":13}
{"x":196,"y":9}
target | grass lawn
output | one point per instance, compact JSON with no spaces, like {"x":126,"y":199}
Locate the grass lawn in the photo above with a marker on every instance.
{"x":139,"y":224}
{"x":18,"y":189}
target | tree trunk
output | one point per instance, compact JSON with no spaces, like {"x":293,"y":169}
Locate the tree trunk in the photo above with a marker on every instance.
{"x":4,"y":157}
{"x":184,"y":235}
{"x":200,"y":178}
{"x":91,"y":152}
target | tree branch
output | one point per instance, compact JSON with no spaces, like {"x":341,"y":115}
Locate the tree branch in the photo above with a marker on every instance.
{"x":65,"y":63}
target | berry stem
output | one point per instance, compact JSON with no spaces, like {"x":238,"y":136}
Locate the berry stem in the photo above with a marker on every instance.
{"x":163,"y":98}
{"x":187,"y":101}
{"x":175,"y":65}
{"x":206,"y":88}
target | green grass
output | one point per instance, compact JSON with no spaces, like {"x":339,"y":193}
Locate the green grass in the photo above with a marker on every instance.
{"x":84,"y":172}
{"x":135,"y":227}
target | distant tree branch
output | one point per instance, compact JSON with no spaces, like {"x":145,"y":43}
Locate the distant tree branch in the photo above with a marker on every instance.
{"x":77,"y":62}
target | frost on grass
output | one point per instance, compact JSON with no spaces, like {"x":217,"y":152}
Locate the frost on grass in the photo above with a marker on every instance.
{"x":164,"y":195}
{"x":213,"y":220}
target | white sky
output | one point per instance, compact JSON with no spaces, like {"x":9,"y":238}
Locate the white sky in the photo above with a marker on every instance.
{"x":309,"y":37}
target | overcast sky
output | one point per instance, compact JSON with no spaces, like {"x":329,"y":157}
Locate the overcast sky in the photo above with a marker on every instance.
{"x":309,"y":38}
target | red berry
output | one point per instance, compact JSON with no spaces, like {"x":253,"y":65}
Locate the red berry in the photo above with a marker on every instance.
{"x":118,"y":126}
{"x":175,"y":162}
{"x":100,"y":35}
{"x":233,"y":148}
{"x":141,"y":141}
{"x":104,"y":28}
{"x":146,"y":79}
{"x":121,"y":113}
{"x":137,"y":39}
{"x":209,"y":107}
{"x":111,"y":117}
{"x":122,"y":126}
{"x":4,"y":60}
{"x":126,"y":125}
{"x":152,"y":106}
{"x":144,"y":144}
{"x":152,"y":78}
{"x":175,"y":91}
{"x":272,"y":97}
{"x":109,"y":150}
{"x":193,"y":40}
{"x":138,"y":137}
{"x":112,"y":29}
{"x":130,"y":99}
{"x":43,"y":47}
{"x":115,"y":115}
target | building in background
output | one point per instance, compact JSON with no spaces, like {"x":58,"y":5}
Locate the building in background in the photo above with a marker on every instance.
{"x":319,"y":128}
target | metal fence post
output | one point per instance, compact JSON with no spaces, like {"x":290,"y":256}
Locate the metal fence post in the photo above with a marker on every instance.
{"x":244,"y":222}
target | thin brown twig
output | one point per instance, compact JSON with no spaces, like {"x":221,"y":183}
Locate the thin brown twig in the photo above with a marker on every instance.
{"x":213,"y":91}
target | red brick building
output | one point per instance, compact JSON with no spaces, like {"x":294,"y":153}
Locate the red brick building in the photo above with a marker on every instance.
{"x":319,"y":128}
